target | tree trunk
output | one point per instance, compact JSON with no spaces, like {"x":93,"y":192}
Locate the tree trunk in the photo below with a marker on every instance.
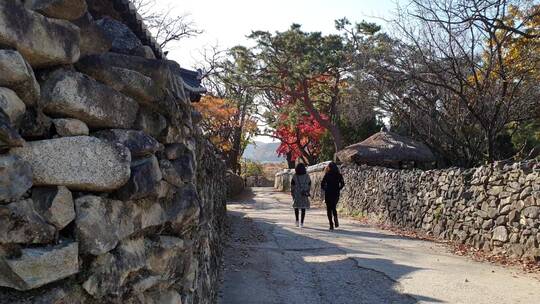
{"x":290,"y":162}
{"x":332,"y":128}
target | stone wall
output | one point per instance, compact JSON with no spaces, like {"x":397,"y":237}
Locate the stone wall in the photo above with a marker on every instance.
{"x":495,"y":207}
{"x":108,"y":193}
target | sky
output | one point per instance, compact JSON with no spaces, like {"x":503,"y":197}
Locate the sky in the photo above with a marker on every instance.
{"x":227,"y":23}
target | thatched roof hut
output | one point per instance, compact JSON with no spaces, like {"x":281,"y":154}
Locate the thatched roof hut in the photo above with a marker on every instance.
{"x":386,"y":149}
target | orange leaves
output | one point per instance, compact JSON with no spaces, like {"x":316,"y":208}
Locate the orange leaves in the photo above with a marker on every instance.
{"x":219,"y":120}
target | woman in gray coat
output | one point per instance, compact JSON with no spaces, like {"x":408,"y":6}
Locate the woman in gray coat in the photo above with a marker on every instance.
{"x":300,"y":187}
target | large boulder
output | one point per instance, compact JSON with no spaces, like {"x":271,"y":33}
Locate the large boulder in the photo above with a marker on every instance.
{"x":101,"y":223}
{"x":75,"y":95}
{"x":70,"y":127}
{"x":79,"y":163}
{"x":144,"y":180}
{"x":164,"y":73}
{"x":129,"y":82}
{"x":15,"y":179}
{"x":60,"y":9}
{"x":39,"y":266}
{"x":42,"y":41}
{"x":163,"y":260}
{"x":123,"y":39}
{"x":55,"y":204}
{"x":138,"y":143}
{"x":21,"y":224}
{"x":16,"y":74}
{"x":93,"y":38}
{"x":12,"y":105}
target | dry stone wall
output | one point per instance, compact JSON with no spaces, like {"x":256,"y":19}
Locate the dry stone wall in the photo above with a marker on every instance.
{"x":495,"y":208}
{"x":108,"y":192}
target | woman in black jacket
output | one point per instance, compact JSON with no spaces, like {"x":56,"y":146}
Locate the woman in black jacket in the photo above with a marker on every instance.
{"x":332,"y":183}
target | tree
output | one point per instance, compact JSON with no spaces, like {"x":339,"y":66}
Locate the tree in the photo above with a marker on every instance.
{"x":228,"y":76}
{"x":306,"y":68}
{"x":452,"y":81}
{"x":300,"y":135}
{"x":165,"y":26}
{"x":220,"y":123}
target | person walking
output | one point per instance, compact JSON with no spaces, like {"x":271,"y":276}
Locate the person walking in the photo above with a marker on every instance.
{"x":300,"y":187}
{"x":332,"y":183}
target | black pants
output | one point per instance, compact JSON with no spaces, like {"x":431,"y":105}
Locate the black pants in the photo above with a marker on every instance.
{"x":303,"y":214}
{"x":331,"y":203}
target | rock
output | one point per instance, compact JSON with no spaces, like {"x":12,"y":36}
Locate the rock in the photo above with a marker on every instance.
{"x":492,"y":213}
{"x":93,"y":38}
{"x":184,"y":209}
{"x":79,"y":163}
{"x":35,"y":124}
{"x":150,"y":122}
{"x":55,"y":204}
{"x":148,"y":52}
{"x":531,"y":212}
{"x":138,"y":143}
{"x":144,"y":180}
{"x":60,"y":9}
{"x":163,"y":259}
{"x":21,"y":224}
{"x":101,"y":223}
{"x":179,"y":171}
{"x":70,"y":127}
{"x":16,"y":178}
{"x":12,"y":105}
{"x":8,"y":134}
{"x":501,"y":220}
{"x":176,"y":150}
{"x":129,"y":82}
{"x":39,"y":266}
{"x":164,"y":73}
{"x":42,"y":41}
{"x":75,"y":95}
{"x":16,"y":74}
{"x":500,"y":234}
{"x":487,"y":224}
{"x":124,"y":41}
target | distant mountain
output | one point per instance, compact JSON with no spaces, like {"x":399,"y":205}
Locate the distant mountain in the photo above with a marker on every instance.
{"x":263,"y":152}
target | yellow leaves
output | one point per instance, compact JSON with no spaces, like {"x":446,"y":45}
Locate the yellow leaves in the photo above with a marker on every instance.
{"x":220,"y":120}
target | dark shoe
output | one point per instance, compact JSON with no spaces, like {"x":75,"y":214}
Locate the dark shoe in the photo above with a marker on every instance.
{"x":331,"y":227}
{"x":336,"y":222}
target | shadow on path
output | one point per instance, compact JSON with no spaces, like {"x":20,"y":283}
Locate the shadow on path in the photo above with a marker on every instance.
{"x":267,"y":263}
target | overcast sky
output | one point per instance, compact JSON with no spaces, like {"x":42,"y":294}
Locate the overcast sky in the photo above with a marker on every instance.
{"x":227,"y":22}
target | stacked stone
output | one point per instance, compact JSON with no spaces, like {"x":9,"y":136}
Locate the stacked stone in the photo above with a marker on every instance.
{"x":495,"y":208}
{"x":105,"y":190}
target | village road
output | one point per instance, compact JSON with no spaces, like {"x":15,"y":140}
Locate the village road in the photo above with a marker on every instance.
{"x":270,"y":261}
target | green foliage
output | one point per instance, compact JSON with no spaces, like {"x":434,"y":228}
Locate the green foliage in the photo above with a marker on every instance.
{"x":251,"y":168}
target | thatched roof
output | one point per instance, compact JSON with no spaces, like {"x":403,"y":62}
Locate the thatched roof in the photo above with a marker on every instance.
{"x":386,"y":148}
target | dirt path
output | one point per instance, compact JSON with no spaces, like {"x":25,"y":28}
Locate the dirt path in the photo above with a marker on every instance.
{"x":268,"y":260}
